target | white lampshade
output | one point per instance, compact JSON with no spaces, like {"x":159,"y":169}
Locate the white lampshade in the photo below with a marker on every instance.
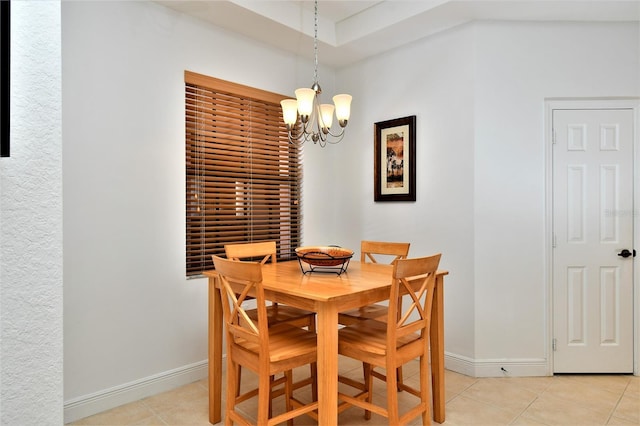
{"x":305,"y":100}
{"x":326,"y":112}
{"x":343,"y":106}
{"x":289,"y":111}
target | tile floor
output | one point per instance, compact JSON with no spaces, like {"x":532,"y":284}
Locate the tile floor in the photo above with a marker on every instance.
{"x":559,"y":400}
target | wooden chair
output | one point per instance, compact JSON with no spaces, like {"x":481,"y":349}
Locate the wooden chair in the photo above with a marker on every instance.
{"x":390,"y":345}
{"x":266,"y":350}
{"x":368,"y":252}
{"x":276,"y":313}
{"x":373,"y":251}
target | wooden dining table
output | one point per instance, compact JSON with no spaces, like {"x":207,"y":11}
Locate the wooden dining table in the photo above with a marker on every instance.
{"x":326,"y":294}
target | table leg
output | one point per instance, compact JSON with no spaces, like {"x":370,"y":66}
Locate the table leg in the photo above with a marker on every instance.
{"x":436,"y":335}
{"x":327,"y":365}
{"x":215,"y":353}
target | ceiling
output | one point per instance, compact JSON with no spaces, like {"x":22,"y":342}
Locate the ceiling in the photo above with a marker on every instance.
{"x":349,"y":31}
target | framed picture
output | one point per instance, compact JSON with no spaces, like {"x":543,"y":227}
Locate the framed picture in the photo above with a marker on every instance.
{"x":5,"y":69}
{"x":395,"y":160}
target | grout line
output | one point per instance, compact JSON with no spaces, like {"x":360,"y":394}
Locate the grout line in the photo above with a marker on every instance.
{"x":615,"y":407}
{"x":526,"y":408}
{"x":156,"y":414}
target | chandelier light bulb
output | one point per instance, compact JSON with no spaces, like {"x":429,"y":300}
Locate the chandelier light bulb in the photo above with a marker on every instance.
{"x":326,"y":114}
{"x":289,"y":111}
{"x":343,"y":108}
{"x":305,"y":99}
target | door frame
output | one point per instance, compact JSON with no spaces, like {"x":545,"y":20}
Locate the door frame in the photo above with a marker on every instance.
{"x":552,"y":104}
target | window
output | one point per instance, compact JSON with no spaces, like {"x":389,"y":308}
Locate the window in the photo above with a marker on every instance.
{"x":243,"y":177}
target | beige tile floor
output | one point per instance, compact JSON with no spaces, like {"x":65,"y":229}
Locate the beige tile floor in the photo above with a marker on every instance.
{"x":559,"y":400}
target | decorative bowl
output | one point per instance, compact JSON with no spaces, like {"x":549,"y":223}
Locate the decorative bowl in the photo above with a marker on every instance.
{"x":324,"y":255}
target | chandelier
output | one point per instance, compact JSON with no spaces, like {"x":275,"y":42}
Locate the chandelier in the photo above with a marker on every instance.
{"x":316,"y":118}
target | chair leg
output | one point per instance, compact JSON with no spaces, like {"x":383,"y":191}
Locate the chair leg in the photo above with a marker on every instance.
{"x":264,"y":398}
{"x":313,"y":367}
{"x":314,"y":380}
{"x":368,"y":384}
{"x":288,"y":393}
{"x":271,"y":380}
{"x":399,"y":378}
{"x":232,"y":387}
{"x":392,"y":399}
{"x":239,"y":379}
{"x":425,"y":393}
{"x":399,"y":369}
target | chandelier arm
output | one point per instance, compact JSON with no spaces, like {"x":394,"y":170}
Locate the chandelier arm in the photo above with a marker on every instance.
{"x":337,"y":135}
{"x":299,"y":140}
{"x":320,"y":138}
{"x":335,"y":141}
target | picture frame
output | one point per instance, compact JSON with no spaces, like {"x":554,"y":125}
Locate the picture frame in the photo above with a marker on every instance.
{"x":394,"y":165}
{"x":5,"y":71}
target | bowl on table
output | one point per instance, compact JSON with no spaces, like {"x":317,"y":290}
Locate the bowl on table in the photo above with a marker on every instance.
{"x":324,"y":257}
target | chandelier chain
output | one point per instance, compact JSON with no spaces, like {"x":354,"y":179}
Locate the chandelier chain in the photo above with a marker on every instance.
{"x":315,"y":42}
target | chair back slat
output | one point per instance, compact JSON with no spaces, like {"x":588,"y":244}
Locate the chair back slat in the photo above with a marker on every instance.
{"x":237,"y":280}
{"x":265,"y":249}
{"x":372,"y":251}
{"x":416,"y":277}
{"x":235,"y":304}
{"x":407,"y":287}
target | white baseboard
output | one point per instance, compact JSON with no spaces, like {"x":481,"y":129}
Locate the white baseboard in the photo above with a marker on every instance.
{"x":496,"y":367}
{"x":88,"y":405}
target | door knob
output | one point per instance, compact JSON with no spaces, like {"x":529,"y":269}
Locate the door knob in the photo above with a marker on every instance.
{"x":626,"y":253}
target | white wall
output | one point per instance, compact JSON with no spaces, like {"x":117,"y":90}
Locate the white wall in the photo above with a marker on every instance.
{"x":133,"y":324}
{"x":31,"y":224}
{"x":433,"y":80}
{"x":131,"y":317}
{"x":518,"y":66}
{"x":478,"y":92}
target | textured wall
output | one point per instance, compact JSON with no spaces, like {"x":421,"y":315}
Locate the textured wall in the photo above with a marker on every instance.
{"x":31,"y":224}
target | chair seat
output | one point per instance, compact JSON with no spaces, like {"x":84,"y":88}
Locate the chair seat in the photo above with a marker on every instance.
{"x":374,"y":311}
{"x":370,"y":336}
{"x":285,"y":342}
{"x":278,"y":314}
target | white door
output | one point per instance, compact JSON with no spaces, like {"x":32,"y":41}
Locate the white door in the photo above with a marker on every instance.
{"x":593,"y":225}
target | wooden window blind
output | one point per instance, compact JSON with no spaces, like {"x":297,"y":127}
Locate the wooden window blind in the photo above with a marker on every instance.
{"x":243,"y":177}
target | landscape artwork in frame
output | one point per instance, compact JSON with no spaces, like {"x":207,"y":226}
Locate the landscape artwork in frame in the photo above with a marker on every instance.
{"x":395,"y":159}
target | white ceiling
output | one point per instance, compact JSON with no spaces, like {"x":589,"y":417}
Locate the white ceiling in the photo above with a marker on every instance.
{"x":349,"y":31}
